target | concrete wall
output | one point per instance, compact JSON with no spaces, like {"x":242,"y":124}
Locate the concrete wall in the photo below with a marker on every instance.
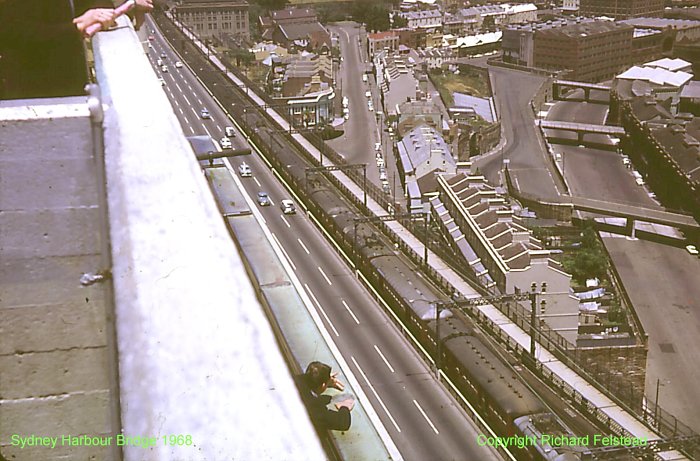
{"x":54,"y":356}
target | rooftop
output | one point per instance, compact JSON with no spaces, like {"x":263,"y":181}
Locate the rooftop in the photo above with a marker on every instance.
{"x":661,"y":23}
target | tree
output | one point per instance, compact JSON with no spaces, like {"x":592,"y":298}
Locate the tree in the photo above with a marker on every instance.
{"x":489,"y":23}
{"x":271,"y":5}
{"x":374,"y":15}
{"x":399,"y":22}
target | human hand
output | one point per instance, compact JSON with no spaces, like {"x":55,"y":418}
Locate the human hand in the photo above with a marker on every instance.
{"x":348,"y":403}
{"x":335,"y":383}
{"x":142,"y":7}
{"x":103,"y":16}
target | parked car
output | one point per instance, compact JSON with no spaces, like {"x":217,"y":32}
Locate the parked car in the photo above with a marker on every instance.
{"x":225,"y":143}
{"x":287,"y":207}
{"x":204,"y":113}
{"x":263,"y":199}
{"x":245,"y":171}
{"x":692,"y":250}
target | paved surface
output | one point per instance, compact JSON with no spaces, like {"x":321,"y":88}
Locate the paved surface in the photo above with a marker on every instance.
{"x":526,"y":152}
{"x":594,"y":173}
{"x":369,"y":342}
{"x":357,"y":143}
{"x":664,"y":286}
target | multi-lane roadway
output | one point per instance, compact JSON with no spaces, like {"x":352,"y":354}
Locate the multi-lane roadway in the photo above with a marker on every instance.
{"x":420,"y":416}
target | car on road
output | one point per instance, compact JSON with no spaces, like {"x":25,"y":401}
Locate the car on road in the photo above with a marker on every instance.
{"x":263,"y":199}
{"x":380,"y":161}
{"x":230,"y":132}
{"x":377,"y":146}
{"x":151,"y":37}
{"x":692,"y":250}
{"x":159,"y":62}
{"x":162,"y":82}
{"x":287,"y":207}
{"x":178,"y":64}
{"x":245,"y":170}
{"x":163,"y":68}
{"x":163,"y":55}
{"x":386,"y":187}
{"x":204,"y":113}
{"x":225,"y":143}
{"x":639,"y":181}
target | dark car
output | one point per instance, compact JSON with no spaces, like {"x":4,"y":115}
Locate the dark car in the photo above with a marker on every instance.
{"x":263,"y":199}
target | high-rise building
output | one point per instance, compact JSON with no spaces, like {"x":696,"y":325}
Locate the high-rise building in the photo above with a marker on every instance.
{"x":594,"y":51}
{"x":622,"y":9}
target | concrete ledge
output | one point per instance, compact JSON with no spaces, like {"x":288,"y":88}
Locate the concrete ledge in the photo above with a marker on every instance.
{"x":196,"y":354}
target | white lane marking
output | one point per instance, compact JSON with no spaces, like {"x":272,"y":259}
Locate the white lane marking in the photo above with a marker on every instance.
{"x":426,"y":417}
{"x":218,"y":127}
{"x":180,"y":109}
{"x":256,"y":182}
{"x":375,"y":394}
{"x":291,"y":263}
{"x":376,"y":348}
{"x":285,"y":221}
{"x":194,"y":112}
{"x":205,"y":129}
{"x":349,"y":310}
{"x":187,"y":101}
{"x":324,"y":275}
{"x":311,"y":293}
{"x":178,"y":87}
{"x":303,"y":246}
{"x":200,"y":102}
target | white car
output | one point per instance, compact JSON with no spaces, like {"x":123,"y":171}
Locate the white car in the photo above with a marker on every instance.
{"x":692,"y":250}
{"x":159,"y":62}
{"x":287,"y":207}
{"x":162,"y":82}
{"x":178,"y":64}
{"x":225,"y":143}
{"x":378,"y":146}
{"x":230,"y":132}
{"x":245,"y":171}
{"x":164,"y":68}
